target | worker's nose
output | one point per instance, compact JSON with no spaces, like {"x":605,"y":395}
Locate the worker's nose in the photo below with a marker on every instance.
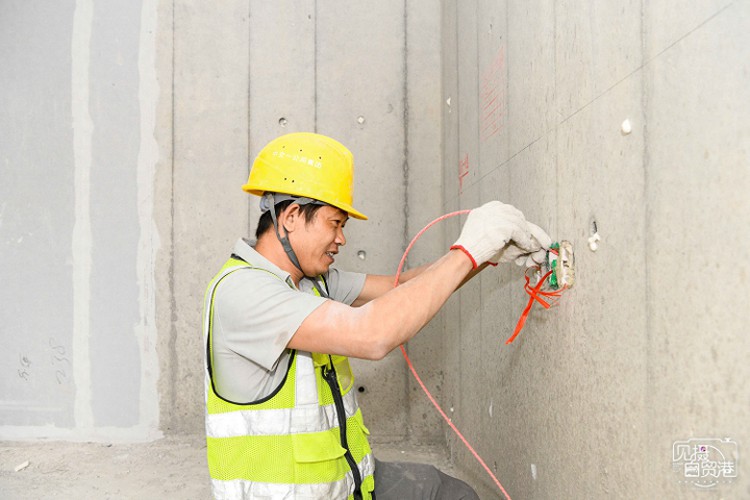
{"x":340,"y":238}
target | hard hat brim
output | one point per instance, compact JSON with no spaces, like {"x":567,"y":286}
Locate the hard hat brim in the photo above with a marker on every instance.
{"x":353,"y":212}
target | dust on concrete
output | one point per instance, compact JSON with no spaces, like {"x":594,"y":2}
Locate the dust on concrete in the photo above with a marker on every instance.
{"x":173,"y":467}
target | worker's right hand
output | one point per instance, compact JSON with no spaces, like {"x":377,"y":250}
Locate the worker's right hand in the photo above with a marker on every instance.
{"x":489,"y":228}
{"x":522,"y":257}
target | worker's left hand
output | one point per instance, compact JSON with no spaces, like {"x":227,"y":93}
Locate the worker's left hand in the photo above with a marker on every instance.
{"x":512,"y":253}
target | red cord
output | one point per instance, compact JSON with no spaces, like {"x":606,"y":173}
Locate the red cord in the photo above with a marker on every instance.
{"x":414,"y":372}
{"x":419,"y":234}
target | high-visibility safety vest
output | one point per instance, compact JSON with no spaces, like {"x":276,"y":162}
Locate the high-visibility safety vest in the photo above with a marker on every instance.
{"x":305,"y":440}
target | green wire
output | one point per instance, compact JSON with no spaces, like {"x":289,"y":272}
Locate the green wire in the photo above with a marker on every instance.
{"x":553,"y":266}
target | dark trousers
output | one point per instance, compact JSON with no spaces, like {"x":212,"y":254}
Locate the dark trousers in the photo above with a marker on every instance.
{"x":409,"y":481}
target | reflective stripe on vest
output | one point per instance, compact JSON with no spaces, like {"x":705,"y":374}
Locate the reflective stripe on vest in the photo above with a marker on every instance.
{"x":247,"y":489}
{"x":287,"y":445}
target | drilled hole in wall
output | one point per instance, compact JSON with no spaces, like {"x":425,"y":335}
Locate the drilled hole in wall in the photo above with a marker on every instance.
{"x":594,"y":237}
{"x":361,"y":388}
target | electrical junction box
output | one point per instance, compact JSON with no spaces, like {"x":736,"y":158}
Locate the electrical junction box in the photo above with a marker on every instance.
{"x":561,"y":262}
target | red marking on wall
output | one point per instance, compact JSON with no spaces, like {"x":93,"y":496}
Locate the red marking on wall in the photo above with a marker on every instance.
{"x":463,"y":171}
{"x":494,"y":80}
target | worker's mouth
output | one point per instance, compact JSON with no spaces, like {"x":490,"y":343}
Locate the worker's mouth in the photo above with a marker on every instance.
{"x":331,"y":255}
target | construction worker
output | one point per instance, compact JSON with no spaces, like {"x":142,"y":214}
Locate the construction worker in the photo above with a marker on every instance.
{"x":282,"y":419}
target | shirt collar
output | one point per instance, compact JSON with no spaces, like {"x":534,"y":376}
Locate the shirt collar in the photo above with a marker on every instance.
{"x":244,"y":249}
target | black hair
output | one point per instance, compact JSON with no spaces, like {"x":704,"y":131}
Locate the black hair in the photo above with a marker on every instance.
{"x":265,"y":222}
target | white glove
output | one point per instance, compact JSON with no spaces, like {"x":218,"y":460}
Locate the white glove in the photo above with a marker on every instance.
{"x":523,"y":257}
{"x":489,"y":228}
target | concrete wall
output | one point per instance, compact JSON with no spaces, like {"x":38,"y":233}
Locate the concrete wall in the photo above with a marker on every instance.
{"x":128,"y":133}
{"x":299,"y":66}
{"x":649,"y":348}
{"x":76,"y":220}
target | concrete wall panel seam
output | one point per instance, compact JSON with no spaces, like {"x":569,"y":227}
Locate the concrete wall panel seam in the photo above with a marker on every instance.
{"x":148,"y":245}
{"x":82,"y":244}
{"x":405,"y":231}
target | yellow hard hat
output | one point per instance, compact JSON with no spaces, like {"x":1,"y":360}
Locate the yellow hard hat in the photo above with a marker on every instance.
{"x":306,"y":165}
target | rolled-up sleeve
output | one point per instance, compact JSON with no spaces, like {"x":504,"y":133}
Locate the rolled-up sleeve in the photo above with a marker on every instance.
{"x":344,"y":286}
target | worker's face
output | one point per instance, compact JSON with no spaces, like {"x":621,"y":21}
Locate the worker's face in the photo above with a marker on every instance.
{"x":316,"y":242}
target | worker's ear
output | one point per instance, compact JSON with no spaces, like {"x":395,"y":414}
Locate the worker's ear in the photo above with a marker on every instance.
{"x":290,"y":217}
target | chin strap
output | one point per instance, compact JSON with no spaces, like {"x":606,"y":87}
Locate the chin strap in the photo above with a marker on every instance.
{"x":319,"y":288}
{"x":269,"y":201}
